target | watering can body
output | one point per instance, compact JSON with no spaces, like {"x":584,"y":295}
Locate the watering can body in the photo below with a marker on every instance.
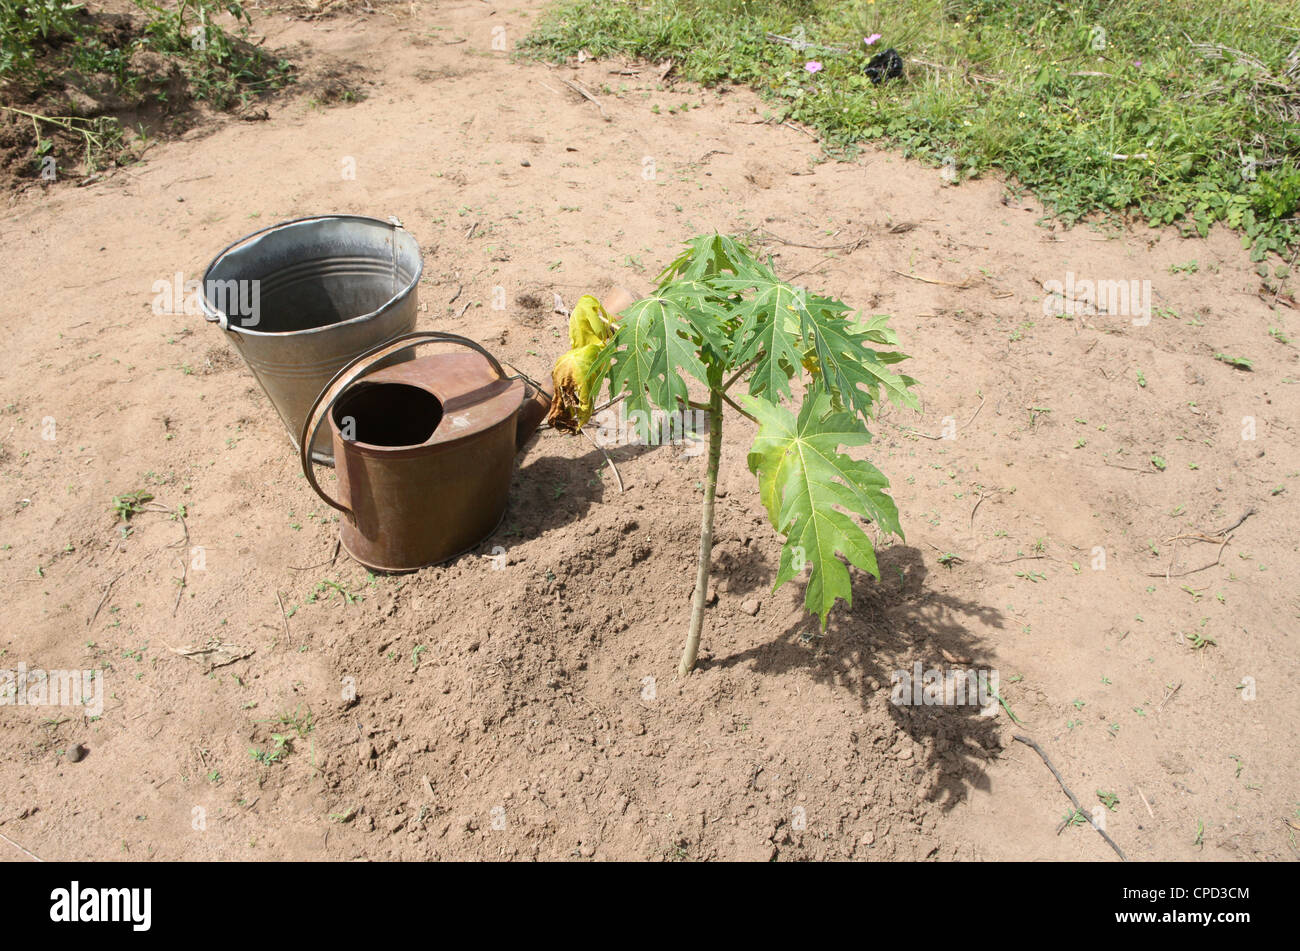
{"x":424,"y":450}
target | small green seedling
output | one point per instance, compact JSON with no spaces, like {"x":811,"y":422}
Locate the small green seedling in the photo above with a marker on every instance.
{"x":131,"y":504}
{"x":1240,"y":363}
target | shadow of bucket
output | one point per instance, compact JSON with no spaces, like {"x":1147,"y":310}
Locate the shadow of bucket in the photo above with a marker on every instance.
{"x":301,"y":299}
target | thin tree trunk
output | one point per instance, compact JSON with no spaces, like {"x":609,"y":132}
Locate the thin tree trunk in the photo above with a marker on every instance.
{"x":706,"y":536}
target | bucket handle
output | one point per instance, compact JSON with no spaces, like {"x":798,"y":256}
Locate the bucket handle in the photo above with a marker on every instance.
{"x":216,"y":316}
{"x":356,"y":368}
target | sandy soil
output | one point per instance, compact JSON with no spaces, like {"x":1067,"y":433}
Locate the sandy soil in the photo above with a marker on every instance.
{"x":502,"y":706}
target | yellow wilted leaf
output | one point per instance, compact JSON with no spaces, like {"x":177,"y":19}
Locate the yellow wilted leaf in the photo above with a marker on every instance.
{"x":590,"y":328}
{"x":589,"y":323}
{"x":571,"y":404}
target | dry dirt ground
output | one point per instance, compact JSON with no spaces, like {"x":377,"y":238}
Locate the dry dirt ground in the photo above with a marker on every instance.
{"x":502,"y":706}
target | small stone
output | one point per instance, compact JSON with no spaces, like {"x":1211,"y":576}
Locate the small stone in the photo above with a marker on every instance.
{"x":749,"y":606}
{"x":76,"y":754}
{"x":525,"y":163}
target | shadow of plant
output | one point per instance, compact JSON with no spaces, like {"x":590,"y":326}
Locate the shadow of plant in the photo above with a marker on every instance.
{"x":894,"y":624}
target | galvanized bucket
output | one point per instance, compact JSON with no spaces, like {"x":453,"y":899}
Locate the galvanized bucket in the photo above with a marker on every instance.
{"x":301,"y":299}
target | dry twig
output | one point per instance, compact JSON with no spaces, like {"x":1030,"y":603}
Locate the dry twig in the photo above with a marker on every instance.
{"x":1077,"y":807}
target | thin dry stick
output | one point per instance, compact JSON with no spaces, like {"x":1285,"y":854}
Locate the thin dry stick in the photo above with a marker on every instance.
{"x":816,"y":247}
{"x":285,"y":616}
{"x":953,"y":69}
{"x":576,"y":87}
{"x":20,"y":848}
{"x":180,"y":590}
{"x":1213,"y":537}
{"x":1237,"y":524}
{"x":107,"y":588}
{"x":800,"y":44}
{"x":966,"y":282}
{"x":1077,"y":808}
{"x":1115,"y":465}
{"x":1150,"y":812}
{"x":1169,"y":696}
{"x":607,"y":457}
{"x":798,"y":128}
{"x":1191,"y":571}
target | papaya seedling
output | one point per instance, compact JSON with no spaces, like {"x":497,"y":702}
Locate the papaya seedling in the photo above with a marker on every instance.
{"x":723,"y":318}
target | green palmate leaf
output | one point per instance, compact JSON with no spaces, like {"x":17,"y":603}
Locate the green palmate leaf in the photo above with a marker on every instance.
{"x":708,"y":256}
{"x":850,"y":368}
{"x":770,"y":333}
{"x":782,"y":326}
{"x":707,"y":313}
{"x":811,"y":491}
{"x":652,"y":346}
{"x":771,"y":330}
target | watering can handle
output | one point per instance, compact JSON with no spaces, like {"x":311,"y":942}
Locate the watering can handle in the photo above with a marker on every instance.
{"x":348,"y":375}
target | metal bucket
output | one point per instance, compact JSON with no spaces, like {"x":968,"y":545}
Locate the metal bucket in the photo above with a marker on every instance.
{"x":301,"y":299}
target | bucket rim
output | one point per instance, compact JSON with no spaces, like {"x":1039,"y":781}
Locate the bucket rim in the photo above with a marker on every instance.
{"x":212,"y":315}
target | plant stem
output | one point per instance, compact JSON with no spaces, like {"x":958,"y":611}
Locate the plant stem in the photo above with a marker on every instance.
{"x":706,"y":535}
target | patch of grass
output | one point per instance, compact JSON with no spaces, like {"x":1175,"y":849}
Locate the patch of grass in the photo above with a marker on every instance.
{"x":1188,"y":117}
{"x":281,"y":747}
{"x":301,"y":721}
{"x":324,"y":587}
{"x":118,"y":63}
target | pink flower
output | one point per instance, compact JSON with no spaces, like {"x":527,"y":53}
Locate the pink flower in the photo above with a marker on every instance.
{"x":871,"y":39}
{"x":813,"y":66}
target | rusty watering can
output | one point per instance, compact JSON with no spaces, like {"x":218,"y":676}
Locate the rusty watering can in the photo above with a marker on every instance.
{"x":424,"y":449}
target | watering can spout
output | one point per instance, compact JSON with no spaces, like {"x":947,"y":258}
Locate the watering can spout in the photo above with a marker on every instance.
{"x":536,"y":405}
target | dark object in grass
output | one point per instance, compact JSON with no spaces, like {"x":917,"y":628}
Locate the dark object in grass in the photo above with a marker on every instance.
{"x":886,"y":64}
